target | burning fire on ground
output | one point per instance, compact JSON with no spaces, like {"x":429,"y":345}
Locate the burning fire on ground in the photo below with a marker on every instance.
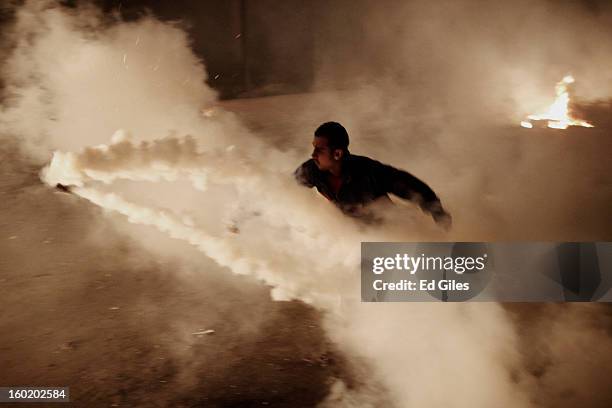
{"x":558,"y":115}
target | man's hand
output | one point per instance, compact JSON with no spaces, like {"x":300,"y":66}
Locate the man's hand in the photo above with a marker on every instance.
{"x":440,"y":216}
{"x":443,"y":219}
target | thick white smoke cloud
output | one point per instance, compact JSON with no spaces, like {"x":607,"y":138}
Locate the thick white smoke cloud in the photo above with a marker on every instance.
{"x":280,"y":212}
{"x":435,"y":355}
{"x":72,"y":73}
{"x":73,"y":80}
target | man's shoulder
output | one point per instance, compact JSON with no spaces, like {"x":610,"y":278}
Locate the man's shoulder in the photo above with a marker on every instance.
{"x":307,"y":173}
{"x":309,"y":164}
{"x":308,"y":167}
{"x":364,"y":163}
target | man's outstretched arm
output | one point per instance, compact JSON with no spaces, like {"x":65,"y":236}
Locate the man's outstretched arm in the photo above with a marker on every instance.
{"x":406,"y":186}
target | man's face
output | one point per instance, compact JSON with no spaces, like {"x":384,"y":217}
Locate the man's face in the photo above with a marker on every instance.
{"x":322,"y":155}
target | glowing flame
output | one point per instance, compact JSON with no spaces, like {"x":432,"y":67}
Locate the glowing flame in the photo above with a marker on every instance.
{"x":558,"y":115}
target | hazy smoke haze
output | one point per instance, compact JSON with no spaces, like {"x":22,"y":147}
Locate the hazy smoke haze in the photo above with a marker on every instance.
{"x":455,"y":79}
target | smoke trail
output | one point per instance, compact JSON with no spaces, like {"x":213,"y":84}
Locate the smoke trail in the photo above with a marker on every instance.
{"x":170,"y":158}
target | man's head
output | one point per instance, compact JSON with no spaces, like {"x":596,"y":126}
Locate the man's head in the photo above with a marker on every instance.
{"x":330,"y":145}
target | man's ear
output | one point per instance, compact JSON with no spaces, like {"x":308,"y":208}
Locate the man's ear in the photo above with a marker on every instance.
{"x":338,"y":154}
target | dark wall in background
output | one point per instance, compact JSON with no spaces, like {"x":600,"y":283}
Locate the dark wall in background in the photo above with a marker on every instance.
{"x":279,"y":44}
{"x":250,"y":47}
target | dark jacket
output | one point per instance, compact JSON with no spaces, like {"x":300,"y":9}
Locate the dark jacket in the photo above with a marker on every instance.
{"x":364,"y":181}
